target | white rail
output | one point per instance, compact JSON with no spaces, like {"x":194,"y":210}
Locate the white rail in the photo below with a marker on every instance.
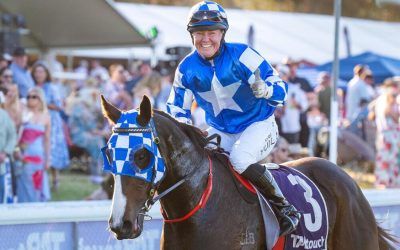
{"x":78,"y":211}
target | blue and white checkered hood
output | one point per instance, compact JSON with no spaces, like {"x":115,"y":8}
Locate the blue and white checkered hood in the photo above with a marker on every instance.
{"x":122,"y":146}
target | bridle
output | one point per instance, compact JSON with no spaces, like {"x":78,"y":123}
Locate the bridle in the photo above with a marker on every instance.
{"x":151,"y":198}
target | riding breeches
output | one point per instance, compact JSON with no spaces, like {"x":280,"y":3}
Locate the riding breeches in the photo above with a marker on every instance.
{"x":250,"y":146}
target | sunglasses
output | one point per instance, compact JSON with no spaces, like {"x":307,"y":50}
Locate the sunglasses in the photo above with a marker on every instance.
{"x":7,"y":76}
{"x":212,"y":16}
{"x":32,"y":97}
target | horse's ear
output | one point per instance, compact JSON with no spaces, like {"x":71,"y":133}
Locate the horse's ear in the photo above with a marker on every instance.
{"x":110,"y":111}
{"x":145,"y":112}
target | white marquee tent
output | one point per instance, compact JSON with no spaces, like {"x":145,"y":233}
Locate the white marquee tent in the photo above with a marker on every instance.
{"x":74,"y":24}
{"x":277,"y":34}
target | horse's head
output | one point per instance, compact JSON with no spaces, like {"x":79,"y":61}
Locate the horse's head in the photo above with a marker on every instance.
{"x":132,"y":156}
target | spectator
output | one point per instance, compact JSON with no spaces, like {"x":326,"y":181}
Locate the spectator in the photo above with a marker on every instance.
{"x":114,"y":89}
{"x":280,"y":153}
{"x":166,"y":85}
{"x":98,"y":71}
{"x":139,"y":93}
{"x":4,"y":61}
{"x":149,"y":79}
{"x":368,"y":78}
{"x":82,"y":69}
{"x":388,"y":136}
{"x":13,"y":105}
{"x":315,"y":121}
{"x":357,"y":71}
{"x":305,"y":86}
{"x":324,"y":91}
{"x":6,"y":77}
{"x":296,"y":103}
{"x":135,"y":76}
{"x":358,"y":91}
{"x":58,"y":143}
{"x":294,"y":78}
{"x":22,"y":77}
{"x":8,"y":140}
{"x":85,"y":123}
{"x":32,"y":180}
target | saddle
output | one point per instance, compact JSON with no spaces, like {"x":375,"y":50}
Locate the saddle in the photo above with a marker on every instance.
{"x":243,"y":186}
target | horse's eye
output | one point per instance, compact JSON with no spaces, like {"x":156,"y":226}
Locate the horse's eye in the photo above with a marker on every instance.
{"x":142,"y":158}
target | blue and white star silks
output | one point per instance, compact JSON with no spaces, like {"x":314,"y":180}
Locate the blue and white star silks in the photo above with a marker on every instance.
{"x":221,"y":97}
{"x":223,"y":88}
{"x":118,"y":154}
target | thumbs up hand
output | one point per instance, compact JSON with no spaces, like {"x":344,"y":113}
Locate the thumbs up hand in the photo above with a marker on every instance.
{"x":259,"y":87}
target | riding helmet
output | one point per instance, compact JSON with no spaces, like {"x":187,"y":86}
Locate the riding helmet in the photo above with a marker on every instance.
{"x":207,"y":15}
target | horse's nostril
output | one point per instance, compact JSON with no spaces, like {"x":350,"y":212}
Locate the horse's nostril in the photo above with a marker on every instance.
{"x":126,"y":227}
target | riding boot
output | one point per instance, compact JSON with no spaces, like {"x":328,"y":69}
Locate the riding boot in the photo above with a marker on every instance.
{"x":287,"y":214}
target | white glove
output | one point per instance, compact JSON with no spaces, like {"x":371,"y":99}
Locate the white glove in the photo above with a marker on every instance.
{"x":184,"y":120}
{"x":259,"y":87}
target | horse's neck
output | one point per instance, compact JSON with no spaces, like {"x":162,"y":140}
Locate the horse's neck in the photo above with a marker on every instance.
{"x":184,"y":162}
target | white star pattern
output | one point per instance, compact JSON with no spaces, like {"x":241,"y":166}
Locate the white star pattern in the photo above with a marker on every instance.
{"x":221,"y":97}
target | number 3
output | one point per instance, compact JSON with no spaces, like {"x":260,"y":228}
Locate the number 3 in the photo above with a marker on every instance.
{"x":310,"y":225}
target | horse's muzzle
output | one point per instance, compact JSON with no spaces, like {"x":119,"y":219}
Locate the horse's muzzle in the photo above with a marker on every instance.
{"x":128,"y":229}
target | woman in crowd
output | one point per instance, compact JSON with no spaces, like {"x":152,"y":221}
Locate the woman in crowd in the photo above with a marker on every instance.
{"x":387,"y":115}
{"x":8,"y":138}
{"x":32,"y":180}
{"x":59,"y":149}
{"x":13,"y":105}
{"x":114,"y":89}
{"x":6,"y":77}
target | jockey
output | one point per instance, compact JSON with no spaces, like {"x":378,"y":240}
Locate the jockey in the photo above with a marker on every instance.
{"x":239,"y":91}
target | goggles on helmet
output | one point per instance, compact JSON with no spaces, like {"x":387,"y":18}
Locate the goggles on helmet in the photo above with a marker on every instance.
{"x":213,"y":16}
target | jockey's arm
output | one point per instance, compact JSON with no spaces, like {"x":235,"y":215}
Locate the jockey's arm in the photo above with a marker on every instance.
{"x":180,"y":100}
{"x":265,"y":81}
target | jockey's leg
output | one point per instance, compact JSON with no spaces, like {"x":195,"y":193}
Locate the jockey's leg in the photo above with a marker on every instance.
{"x":254,"y":144}
{"x":288,"y":216}
{"x":227,"y":140}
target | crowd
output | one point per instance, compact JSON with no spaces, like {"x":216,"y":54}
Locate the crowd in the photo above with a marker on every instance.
{"x":43,"y":117}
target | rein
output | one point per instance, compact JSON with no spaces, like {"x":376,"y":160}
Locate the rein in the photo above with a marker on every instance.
{"x":202,"y":203}
{"x":204,"y":197}
{"x":203,"y":200}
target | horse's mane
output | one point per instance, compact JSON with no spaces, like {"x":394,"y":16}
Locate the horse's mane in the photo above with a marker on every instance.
{"x":194,"y":133}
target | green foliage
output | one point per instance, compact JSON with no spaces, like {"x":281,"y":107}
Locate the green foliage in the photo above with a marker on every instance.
{"x":366,"y":9}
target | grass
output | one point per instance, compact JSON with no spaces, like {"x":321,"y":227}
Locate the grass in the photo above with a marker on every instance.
{"x":77,"y":186}
{"x":73,"y":186}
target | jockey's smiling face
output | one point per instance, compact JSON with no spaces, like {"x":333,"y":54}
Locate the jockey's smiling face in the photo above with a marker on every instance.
{"x":207,"y":42}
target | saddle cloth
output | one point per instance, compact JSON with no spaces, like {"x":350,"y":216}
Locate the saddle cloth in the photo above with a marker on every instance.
{"x":312,"y":231}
